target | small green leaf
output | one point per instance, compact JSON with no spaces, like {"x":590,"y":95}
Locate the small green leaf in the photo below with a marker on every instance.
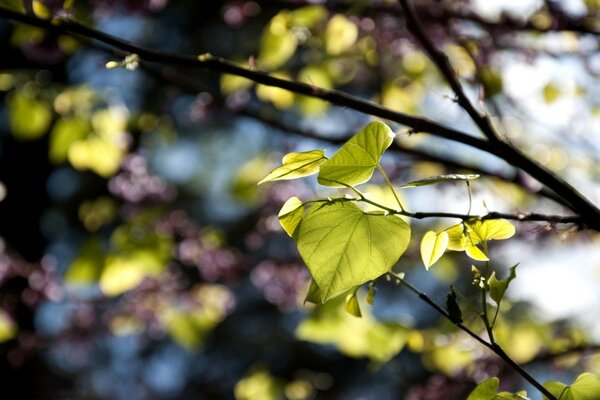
{"x":356,"y":160}
{"x":498,"y":287}
{"x":352,"y":306}
{"x":476,"y":254}
{"x":453,"y":308}
{"x":344,"y":247}
{"x":433,"y":247}
{"x":585,"y":387}
{"x":440,"y":179}
{"x":340,"y":35}
{"x":297,"y":165}
{"x":290,"y":214}
{"x":490,"y":229}
{"x":486,"y":390}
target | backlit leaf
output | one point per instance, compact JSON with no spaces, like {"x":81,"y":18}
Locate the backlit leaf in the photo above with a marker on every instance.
{"x":29,"y":118}
{"x":352,"y":305}
{"x":486,"y":390}
{"x":585,"y":387}
{"x":440,"y":179}
{"x":65,"y":132}
{"x":498,"y":287}
{"x":314,"y":294}
{"x":457,"y":238}
{"x":344,"y":247}
{"x":356,"y":160}
{"x":278,"y":43}
{"x":476,"y":254}
{"x":433,"y":246}
{"x":340,"y":35}
{"x":490,"y":229}
{"x":291,"y":214}
{"x":297,"y":165}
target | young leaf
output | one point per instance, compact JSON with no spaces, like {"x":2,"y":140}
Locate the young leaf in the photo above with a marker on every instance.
{"x":476,"y":254}
{"x":439,"y":179}
{"x":433,"y":247}
{"x":291,"y":214}
{"x":297,"y":165}
{"x":490,"y":229}
{"x":344,"y":247}
{"x":352,"y":305}
{"x":457,"y":238}
{"x":356,"y":160}
{"x":498,"y":287}
{"x":585,"y":387}
{"x":486,"y":390}
{"x":453,"y":308}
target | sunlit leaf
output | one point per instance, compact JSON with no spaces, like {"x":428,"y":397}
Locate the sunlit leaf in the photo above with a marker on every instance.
{"x":352,"y":306}
{"x":65,"y":132}
{"x":498,"y":287}
{"x":314,"y":293}
{"x":457,"y":238}
{"x":280,"y":98}
{"x":356,"y":160}
{"x":355,"y":337}
{"x":297,"y":165}
{"x":259,"y":385}
{"x":551,"y":93}
{"x":340,"y":35}
{"x":344,"y":247}
{"x":476,"y":254}
{"x":40,"y":9}
{"x":290,"y":214}
{"x":29,"y":118}
{"x":585,"y":387}
{"x":440,"y":179}
{"x":308,"y":16}
{"x":278,"y":43}
{"x":490,"y":229}
{"x":315,"y":76}
{"x":433,"y":246}
{"x":486,"y":390}
{"x":233,"y":83}
{"x":88,"y":264}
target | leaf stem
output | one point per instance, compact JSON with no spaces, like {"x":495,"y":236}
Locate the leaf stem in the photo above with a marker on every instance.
{"x":389,"y":183}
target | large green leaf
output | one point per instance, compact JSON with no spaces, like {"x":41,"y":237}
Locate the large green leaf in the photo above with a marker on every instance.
{"x":488,"y":390}
{"x":356,"y":160}
{"x":297,"y":165}
{"x":440,"y":179}
{"x":344,"y":247}
{"x":585,"y":387}
{"x":433,"y":247}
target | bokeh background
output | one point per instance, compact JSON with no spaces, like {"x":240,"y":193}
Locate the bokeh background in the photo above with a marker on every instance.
{"x":140,"y":260}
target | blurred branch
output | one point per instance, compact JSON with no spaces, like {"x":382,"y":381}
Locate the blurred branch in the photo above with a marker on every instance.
{"x":578,"y":203}
{"x":545,"y":357}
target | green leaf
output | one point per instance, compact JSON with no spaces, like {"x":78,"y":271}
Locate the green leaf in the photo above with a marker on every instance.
{"x":314,"y":293}
{"x":340,"y":35}
{"x":278,"y":42}
{"x":65,"y":132}
{"x":297,"y":165}
{"x":344,"y":247}
{"x":490,"y":229}
{"x":29,"y":118}
{"x":356,"y":160}
{"x":486,"y":390}
{"x":440,"y":179}
{"x":476,"y":254}
{"x":457,"y":238}
{"x":290,"y":214}
{"x":352,"y":305}
{"x":88,"y":264}
{"x":585,"y":387}
{"x":433,"y":247}
{"x":498,"y":287}
{"x":13,"y":5}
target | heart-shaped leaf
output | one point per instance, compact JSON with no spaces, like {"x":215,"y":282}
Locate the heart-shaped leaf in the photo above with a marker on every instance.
{"x":356,"y":160}
{"x":344,"y":247}
{"x":433,"y":247}
{"x":585,"y":387}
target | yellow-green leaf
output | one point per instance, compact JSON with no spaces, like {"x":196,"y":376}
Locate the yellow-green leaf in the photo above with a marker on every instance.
{"x":278,"y":43}
{"x":498,"y":286}
{"x":290,"y":214}
{"x":352,"y":306}
{"x":356,"y":160}
{"x":297,"y":165}
{"x":340,"y":35}
{"x":440,"y":179}
{"x":585,"y":387}
{"x":344,"y":247}
{"x":457,"y":238}
{"x":433,"y":246}
{"x":476,"y":254}
{"x":29,"y":118}
{"x":490,"y":229}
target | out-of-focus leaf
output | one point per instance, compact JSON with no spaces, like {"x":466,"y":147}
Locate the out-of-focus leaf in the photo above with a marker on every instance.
{"x":259,"y":385}
{"x":317,"y":77}
{"x":65,"y":132}
{"x":356,"y":160}
{"x":475,"y":253}
{"x":29,"y":118}
{"x":278,"y":43}
{"x":344,"y":247}
{"x":8,"y":328}
{"x":551,"y":93}
{"x":88,"y":264}
{"x":13,"y":5}
{"x":308,"y":16}
{"x":340,"y":35}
